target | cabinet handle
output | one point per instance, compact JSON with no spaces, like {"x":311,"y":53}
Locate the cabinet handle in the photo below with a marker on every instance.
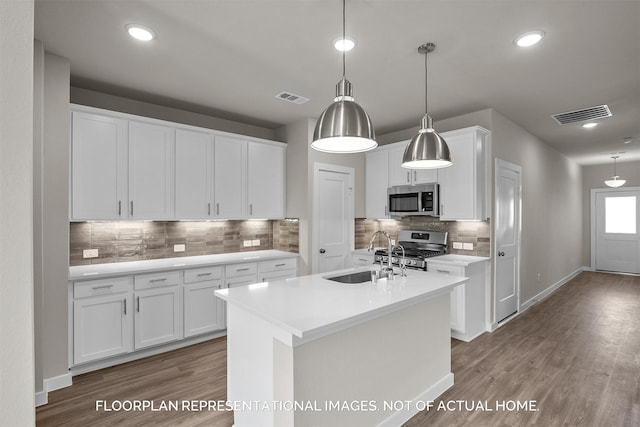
{"x":95,"y":288}
{"x":138,"y":304}
{"x":132,"y":208}
{"x":441,"y":208}
{"x":164,"y":279}
{"x":362,"y":259}
{"x":408,"y":177}
{"x":281,"y":265}
{"x":242,"y":269}
{"x":251,"y":209}
{"x":204,"y":274}
{"x":217,"y":208}
{"x":125,"y":306}
{"x":443,"y":271}
{"x":209,"y":209}
{"x":119,"y":207}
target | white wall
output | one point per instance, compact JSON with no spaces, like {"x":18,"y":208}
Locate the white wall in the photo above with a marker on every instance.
{"x":16,"y":204}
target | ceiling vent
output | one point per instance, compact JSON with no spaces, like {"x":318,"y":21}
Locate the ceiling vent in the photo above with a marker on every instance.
{"x":591,"y":113}
{"x":292,"y":97}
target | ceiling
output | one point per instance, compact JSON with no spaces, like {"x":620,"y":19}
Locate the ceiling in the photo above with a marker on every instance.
{"x":229,"y":58}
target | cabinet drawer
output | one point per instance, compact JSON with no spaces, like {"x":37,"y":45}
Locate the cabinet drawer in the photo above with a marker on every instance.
{"x":235,"y":270}
{"x":194,"y":275}
{"x":277,"y":265}
{"x":452,"y":270}
{"x":156,"y":280}
{"x":241,"y":281}
{"x":92,"y":288}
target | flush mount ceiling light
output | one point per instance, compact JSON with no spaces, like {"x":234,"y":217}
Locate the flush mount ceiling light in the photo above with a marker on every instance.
{"x":614,"y":181}
{"x":344,"y":127}
{"x":140,"y":32}
{"x":589,"y":125}
{"x":529,"y":38}
{"x":426,"y":150}
{"x":344,"y":44}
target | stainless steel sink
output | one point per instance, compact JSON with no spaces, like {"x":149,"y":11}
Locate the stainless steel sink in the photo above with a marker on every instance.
{"x":356,"y":277}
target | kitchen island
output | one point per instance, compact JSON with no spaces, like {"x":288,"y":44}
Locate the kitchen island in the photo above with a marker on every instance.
{"x":312,"y":351}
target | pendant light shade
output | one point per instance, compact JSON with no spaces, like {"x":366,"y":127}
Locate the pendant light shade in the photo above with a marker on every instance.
{"x":344,"y":127}
{"x":426,"y":150}
{"x":614,"y":181}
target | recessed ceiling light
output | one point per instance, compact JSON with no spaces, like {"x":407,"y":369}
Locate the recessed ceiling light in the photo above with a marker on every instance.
{"x":589,"y":125}
{"x":345,"y":44}
{"x":140,"y":32}
{"x":529,"y":38}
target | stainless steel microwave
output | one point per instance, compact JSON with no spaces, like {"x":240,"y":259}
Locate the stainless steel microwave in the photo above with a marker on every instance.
{"x":421,"y":199}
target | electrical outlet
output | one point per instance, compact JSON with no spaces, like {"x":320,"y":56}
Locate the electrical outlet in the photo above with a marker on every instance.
{"x":457,"y":245}
{"x":246,"y":243}
{"x":255,"y":242}
{"x":467,"y":246}
{"x":179,"y":247}
{"x":90,"y":253}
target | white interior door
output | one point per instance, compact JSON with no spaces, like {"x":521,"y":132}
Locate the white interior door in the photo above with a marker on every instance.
{"x":507,"y":239}
{"x":333,"y":217}
{"x":616,"y":228}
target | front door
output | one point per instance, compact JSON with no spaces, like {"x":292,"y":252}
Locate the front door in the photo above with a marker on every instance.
{"x":616,"y":230}
{"x":333,"y":217}
{"x":507,"y":239}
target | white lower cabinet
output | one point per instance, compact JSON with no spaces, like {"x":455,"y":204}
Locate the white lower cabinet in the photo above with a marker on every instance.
{"x":277,"y":269}
{"x":102,"y":319}
{"x":468,"y":301}
{"x":158,"y":316}
{"x":203,"y":311}
{"x":363,"y":259}
{"x":240,"y":274}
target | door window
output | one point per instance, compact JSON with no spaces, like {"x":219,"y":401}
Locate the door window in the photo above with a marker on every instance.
{"x":620,"y":215}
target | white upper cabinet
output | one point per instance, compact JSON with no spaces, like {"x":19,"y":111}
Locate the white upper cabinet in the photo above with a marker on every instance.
{"x":194,"y":175}
{"x":377,"y":182}
{"x":98,"y":167}
{"x":230,"y":178}
{"x":265,"y":180}
{"x":463,"y":192}
{"x":151,"y":171}
{"x":403,"y":176}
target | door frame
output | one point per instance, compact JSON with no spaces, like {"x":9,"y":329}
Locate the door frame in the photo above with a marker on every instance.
{"x":594,"y":193}
{"x":499,"y":164}
{"x":317,"y":167}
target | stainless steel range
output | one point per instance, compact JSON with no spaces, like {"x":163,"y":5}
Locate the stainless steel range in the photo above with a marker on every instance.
{"x":418,"y":246}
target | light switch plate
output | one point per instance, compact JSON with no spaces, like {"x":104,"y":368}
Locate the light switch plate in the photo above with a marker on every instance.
{"x":467,"y":246}
{"x":90,"y":253}
{"x":255,"y":242}
{"x":246,"y":243}
{"x":179,"y":247}
{"x":457,"y":245}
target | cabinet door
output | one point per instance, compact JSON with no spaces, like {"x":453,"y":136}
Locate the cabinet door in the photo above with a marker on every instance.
{"x":194,"y":175}
{"x":102,"y":327}
{"x":158,"y":316}
{"x":463,"y":185}
{"x":98,"y":167}
{"x":151,"y":171}
{"x":203,"y":311}
{"x":265,"y":183}
{"x":230,"y":178}
{"x":376,"y":183}
{"x":458,"y":309}
{"x":424,"y":176}
{"x":397,"y":174}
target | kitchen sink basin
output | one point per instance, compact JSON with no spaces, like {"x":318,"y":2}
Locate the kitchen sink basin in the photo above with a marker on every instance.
{"x":356,"y":277}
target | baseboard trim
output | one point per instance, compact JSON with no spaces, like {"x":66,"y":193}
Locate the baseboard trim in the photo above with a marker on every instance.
{"x":539,"y":297}
{"x":52,"y":384}
{"x":429,"y":395}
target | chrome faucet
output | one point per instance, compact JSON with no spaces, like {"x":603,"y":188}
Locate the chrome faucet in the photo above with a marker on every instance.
{"x":388,"y":270}
{"x":402,"y":262}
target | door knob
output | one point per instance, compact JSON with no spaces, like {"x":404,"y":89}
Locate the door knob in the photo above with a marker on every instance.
{"x":500,"y":253}
{"x":322,"y":251}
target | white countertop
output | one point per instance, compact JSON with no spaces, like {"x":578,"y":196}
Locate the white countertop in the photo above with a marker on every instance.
{"x":458,"y":259}
{"x":95,"y":271}
{"x":312,"y":306}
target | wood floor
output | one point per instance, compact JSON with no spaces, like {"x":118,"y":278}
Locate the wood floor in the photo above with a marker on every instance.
{"x":574,"y":355}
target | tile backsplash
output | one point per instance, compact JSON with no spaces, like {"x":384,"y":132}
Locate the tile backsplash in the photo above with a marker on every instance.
{"x":142,"y":240}
{"x":477,"y":233}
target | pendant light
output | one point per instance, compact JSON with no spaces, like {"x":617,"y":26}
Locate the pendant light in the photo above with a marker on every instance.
{"x":427,"y":150}
{"x":344,"y":127}
{"x":614,"y":181}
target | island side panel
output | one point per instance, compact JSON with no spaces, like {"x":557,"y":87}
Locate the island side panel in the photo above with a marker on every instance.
{"x":402,"y":356}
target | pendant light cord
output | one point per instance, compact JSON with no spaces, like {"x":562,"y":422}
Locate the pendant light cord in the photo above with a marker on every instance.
{"x":426,"y":80}
{"x":344,"y":34}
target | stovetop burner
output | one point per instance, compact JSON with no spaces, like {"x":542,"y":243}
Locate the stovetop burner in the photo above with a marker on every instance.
{"x":418,"y":246}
